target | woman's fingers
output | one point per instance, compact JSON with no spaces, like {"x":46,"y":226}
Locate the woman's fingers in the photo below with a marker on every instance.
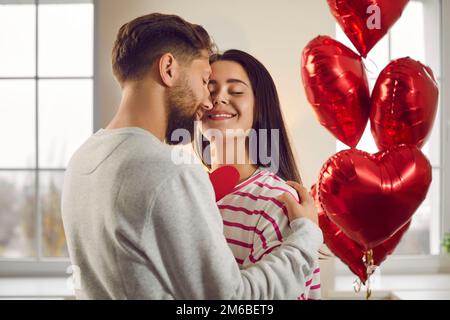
{"x":287,"y":198}
{"x":291,"y":204}
{"x":306,"y":209}
{"x":294,"y":184}
{"x":302,"y":191}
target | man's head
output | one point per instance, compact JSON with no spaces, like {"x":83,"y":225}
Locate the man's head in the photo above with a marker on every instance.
{"x":176,"y":53}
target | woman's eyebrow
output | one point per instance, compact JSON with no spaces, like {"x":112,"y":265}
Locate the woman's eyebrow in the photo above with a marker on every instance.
{"x":236,"y":81}
{"x":229,"y":81}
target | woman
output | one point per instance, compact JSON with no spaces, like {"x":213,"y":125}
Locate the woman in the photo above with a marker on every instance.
{"x":245,"y":98}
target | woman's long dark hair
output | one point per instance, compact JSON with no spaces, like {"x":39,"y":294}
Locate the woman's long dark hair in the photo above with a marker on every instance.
{"x":267,"y":111}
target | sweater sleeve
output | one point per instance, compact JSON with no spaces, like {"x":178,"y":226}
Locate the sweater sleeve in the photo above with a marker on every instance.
{"x":272,"y":234}
{"x":194,"y":259}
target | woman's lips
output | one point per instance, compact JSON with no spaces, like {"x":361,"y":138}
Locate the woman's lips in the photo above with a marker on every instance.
{"x":221,"y":116}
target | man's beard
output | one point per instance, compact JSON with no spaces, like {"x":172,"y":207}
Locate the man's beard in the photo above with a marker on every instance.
{"x":182,"y":108}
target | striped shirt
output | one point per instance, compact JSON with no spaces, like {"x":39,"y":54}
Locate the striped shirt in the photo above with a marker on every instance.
{"x":255,"y":223}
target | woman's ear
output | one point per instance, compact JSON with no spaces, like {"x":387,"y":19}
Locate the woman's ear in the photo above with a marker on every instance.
{"x":168,"y":69}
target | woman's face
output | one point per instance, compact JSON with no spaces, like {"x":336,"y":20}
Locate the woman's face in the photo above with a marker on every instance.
{"x":232,"y":97}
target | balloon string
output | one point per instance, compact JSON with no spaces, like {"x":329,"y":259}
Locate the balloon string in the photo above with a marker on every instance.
{"x":357,"y":285}
{"x":373,"y":63}
{"x":368,"y":289}
{"x":370,"y":268}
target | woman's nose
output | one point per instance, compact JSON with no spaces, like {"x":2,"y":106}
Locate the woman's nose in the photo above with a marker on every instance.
{"x":219,"y":100}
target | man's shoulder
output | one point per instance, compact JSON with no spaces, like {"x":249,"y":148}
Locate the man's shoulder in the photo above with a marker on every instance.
{"x":145,"y":148}
{"x":158,"y":160}
{"x":131,"y":156}
{"x":152,"y":165}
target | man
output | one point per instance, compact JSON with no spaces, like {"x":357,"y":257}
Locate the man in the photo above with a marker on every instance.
{"x":138,"y":225}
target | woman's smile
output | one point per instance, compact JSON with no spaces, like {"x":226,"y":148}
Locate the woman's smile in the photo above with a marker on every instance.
{"x":217,"y":115}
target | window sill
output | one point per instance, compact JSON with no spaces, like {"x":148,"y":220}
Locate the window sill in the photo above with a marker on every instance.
{"x":396,"y":287}
{"x":35,"y":288}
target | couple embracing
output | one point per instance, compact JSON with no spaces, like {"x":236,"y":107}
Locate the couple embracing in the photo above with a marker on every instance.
{"x":140,"y":225}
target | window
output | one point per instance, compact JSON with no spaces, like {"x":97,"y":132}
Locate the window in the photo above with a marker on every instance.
{"x":417,"y":34}
{"x":46,"y":108}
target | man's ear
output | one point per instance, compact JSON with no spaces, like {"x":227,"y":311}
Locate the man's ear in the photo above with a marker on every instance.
{"x":168,"y":69}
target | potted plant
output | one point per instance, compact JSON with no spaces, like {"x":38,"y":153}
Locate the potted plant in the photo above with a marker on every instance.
{"x":446,"y":242}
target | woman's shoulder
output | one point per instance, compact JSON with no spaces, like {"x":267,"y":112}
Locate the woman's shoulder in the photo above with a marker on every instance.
{"x":271,"y":185}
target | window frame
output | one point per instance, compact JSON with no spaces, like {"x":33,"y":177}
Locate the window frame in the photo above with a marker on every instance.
{"x":41,"y":266}
{"x":429,"y":264}
{"x":445,"y":123}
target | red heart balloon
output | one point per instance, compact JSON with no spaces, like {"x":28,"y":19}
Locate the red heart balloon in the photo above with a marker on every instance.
{"x":388,"y":246}
{"x":336,"y":86}
{"x":370,"y":197}
{"x":347,"y":250}
{"x":365,"y":22}
{"x":223,"y":180}
{"x":404,"y":104}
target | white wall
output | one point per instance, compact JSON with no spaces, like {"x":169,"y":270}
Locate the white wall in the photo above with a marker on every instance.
{"x":275,"y":32}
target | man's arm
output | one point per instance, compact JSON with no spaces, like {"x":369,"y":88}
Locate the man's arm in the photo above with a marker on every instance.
{"x":196,"y":258}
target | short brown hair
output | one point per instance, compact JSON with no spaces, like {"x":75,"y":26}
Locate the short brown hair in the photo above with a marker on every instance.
{"x":143,"y":40}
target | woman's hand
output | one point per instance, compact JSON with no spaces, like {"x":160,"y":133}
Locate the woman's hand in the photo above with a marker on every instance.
{"x":305,"y":209}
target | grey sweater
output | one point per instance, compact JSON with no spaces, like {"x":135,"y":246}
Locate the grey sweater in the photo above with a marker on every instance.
{"x":139,"y":226}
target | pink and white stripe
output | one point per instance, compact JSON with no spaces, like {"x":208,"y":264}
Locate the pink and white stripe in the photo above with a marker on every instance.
{"x":255,"y":222}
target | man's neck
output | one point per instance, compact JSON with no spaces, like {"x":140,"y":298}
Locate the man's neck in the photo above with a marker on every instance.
{"x":142,"y":106}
